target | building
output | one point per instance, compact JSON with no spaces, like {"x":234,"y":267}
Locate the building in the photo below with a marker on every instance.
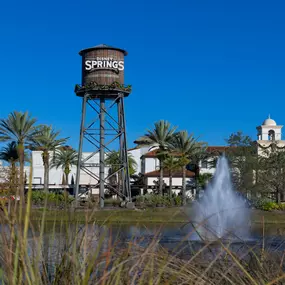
{"x":269,"y":135}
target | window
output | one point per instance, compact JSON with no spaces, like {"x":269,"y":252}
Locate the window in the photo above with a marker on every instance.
{"x":37,"y":180}
{"x":271,"y":135}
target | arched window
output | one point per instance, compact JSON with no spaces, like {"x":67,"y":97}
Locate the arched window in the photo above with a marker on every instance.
{"x":271,"y":135}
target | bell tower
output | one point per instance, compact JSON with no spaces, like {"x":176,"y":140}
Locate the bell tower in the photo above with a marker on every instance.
{"x":269,"y":136}
{"x":269,"y":131}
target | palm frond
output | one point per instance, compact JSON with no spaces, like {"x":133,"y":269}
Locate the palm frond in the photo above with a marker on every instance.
{"x":19,"y":127}
{"x":160,"y":136}
{"x":47,"y":139}
{"x":64,"y":158}
{"x":10,"y":152}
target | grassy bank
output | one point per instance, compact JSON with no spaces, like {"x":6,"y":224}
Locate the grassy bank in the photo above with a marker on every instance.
{"x":151,"y":215}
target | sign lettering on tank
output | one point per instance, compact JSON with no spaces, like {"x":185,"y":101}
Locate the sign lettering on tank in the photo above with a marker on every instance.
{"x":104,"y":63}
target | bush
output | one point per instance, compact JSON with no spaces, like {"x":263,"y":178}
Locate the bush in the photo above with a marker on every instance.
{"x":260,"y":203}
{"x":178,"y":200}
{"x":269,"y":206}
{"x":112,"y":202}
{"x":53,"y":199}
{"x":152,"y":200}
{"x":266,"y":204}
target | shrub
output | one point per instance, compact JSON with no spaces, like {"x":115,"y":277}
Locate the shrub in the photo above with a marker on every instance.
{"x":153,"y":200}
{"x":268,"y":205}
{"x":178,"y":200}
{"x":260,"y":203}
{"x":112,"y":202}
{"x":53,"y":199}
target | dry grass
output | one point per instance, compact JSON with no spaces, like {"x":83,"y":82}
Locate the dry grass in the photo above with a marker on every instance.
{"x":73,"y":253}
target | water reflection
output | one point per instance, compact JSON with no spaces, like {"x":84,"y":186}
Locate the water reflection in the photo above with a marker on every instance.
{"x":126,"y":232}
{"x":177,"y":239}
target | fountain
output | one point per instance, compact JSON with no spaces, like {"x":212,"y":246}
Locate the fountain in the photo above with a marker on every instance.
{"x":221,"y":213}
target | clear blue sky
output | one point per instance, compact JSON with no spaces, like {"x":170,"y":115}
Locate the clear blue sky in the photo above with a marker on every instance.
{"x":211,"y":67}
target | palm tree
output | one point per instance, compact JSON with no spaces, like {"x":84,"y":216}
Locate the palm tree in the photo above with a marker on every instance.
{"x":64,"y":157}
{"x":187,"y":146}
{"x":201,"y":154}
{"x":203,"y":180}
{"x":114,"y":161}
{"x":47,"y":141}
{"x":19,"y":127}
{"x":160,"y":137}
{"x":10,"y":154}
{"x":171,"y":164}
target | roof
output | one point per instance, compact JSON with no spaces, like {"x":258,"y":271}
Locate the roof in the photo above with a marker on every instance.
{"x":217,"y":148}
{"x":150,"y":153}
{"x":220,"y":149}
{"x":102,"y":46}
{"x":269,"y":122}
{"x":177,"y":173}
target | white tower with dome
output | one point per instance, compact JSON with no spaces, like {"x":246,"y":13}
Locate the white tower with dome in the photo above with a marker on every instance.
{"x":269,"y":134}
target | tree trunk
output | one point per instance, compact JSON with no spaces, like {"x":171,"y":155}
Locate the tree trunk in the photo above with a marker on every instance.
{"x":46,"y":171}
{"x":170,"y":183}
{"x":278,"y":197}
{"x":160,"y":177}
{"x":197,"y":174}
{"x":22,"y":161}
{"x":13,"y":178}
{"x":283,"y":196}
{"x":184,"y":185}
{"x":66,"y":182}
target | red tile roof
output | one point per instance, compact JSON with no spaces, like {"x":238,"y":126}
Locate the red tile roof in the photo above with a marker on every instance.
{"x":217,"y":148}
{"x":178,"y":173}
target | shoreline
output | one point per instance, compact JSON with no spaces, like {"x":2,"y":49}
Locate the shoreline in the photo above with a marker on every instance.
{"x":148,"y":216}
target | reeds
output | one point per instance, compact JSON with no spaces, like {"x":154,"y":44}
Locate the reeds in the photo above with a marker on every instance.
{"x":68,"y":252}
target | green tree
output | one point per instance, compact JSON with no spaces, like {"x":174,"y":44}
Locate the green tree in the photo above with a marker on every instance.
{"x":201,"y":154}
{"x":47,"y":141}
{"x":187,"y":147}
{"x":113,"y":160}
{"x":10,"y":155}
{"x":160,"y":137}
{"x":64,"y":158}
{"x":171,"y":163}
{"x":243,"y":160}
{"x":21,"y":128}
{"x":203,"y":180}
{"x":273,"y":174}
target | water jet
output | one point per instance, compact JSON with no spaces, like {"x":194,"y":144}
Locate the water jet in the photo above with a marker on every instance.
{"x":221,"y":213}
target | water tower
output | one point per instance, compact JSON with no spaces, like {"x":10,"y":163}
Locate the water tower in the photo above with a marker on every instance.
{"x":103,"y":118}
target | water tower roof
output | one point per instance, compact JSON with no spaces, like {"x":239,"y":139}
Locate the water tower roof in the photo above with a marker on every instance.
{"x":103,"y":46}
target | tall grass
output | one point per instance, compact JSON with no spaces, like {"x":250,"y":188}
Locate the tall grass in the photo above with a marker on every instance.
{"x":67,"y":252}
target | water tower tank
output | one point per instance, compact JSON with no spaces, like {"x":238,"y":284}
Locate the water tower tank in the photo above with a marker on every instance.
{"x":102,"y":68}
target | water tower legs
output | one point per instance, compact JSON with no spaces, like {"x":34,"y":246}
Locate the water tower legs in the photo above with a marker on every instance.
{"x":77,"y":179}
{"x":106,"y":129}
{"x":102,"y":153}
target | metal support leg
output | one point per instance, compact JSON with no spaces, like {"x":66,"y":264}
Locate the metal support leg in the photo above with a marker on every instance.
{"x":84,"y":101}
{"x":125,"y":154}
{"x":121,"y":174}
{"x":102,"y":152}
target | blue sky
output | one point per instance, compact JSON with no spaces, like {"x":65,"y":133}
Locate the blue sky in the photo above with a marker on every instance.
{"x":211,"y":67}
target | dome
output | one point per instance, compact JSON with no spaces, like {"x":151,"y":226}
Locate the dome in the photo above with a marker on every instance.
{"x":269,"y":122}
